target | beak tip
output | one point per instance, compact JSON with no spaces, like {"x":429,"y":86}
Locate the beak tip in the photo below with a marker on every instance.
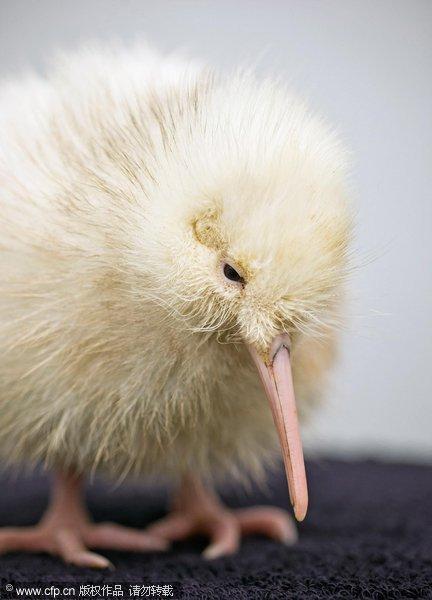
{"x":300,"y":511}
{"x":299,"y":516}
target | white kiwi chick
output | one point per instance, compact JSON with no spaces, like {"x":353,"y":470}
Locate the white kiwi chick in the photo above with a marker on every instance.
{"x":169,"y":236}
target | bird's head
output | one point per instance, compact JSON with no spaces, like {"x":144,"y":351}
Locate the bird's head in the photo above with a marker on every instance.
{"x":252,"y":229}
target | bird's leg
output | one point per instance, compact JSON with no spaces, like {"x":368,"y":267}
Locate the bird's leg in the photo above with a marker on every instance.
{"x":66,"y":530}
{"x":198,"y":510}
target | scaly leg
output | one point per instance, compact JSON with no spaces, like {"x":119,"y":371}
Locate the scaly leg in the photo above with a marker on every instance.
{"x":197,"y":510}
{"x":66,"y":530}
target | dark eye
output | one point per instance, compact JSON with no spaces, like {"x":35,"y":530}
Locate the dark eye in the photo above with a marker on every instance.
{"x":231,"y":274}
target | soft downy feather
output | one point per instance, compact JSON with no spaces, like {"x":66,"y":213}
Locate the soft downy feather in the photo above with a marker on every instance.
{"x":125,"y":177}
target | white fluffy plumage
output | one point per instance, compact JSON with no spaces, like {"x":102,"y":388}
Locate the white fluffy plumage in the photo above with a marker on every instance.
{"x":127,"y":179}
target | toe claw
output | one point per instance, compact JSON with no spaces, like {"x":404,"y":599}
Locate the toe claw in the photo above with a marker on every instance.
{"x":213,"y":551}
{"x":290,"y":536}
{"x":90,"y":560}
{"x":219,"y":549}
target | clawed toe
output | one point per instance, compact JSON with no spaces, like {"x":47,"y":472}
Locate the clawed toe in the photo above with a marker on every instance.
{"x":62,"y":542}
{"x":271,"y":522}
{"x":72,"y":544}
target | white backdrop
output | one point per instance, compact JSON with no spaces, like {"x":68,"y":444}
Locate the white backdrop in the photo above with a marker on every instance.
{"x":367,"y":65}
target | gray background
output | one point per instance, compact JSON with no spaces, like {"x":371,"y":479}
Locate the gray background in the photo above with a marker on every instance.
{"x":367,"y":65}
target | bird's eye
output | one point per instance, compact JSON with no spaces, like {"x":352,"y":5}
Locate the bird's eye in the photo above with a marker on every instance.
{"x":231,"y":274}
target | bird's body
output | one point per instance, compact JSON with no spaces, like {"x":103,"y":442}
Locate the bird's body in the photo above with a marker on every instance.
{"x":126,"y":179}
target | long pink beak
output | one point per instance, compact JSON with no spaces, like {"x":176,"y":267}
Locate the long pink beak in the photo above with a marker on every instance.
{"x":278,"y":384}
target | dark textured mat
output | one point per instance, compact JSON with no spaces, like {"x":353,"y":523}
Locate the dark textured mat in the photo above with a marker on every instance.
{"x":368,"y":534}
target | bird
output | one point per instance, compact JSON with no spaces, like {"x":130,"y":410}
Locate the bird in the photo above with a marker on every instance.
{"x":174,"y":251}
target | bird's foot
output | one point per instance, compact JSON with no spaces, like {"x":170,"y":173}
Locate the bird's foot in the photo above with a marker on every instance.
{"x":71,"y":540}
{"x":199,"y":511}
{"x":67,"y":531}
